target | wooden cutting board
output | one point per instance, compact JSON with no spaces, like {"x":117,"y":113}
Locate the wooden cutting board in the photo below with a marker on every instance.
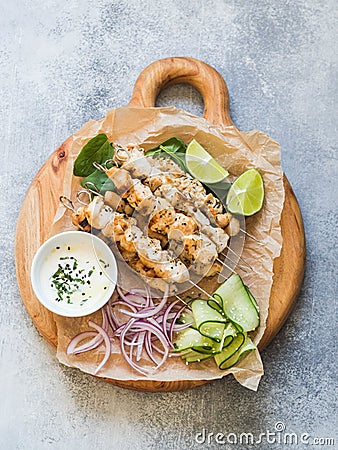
{"x":42,"y":199}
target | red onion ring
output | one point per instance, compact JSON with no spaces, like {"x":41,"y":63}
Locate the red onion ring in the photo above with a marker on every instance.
{"x":142,"y":370}
{"x":155,"y":310}
{"x":148,"y":347}
{"x":149,"y":328}
{"x":90,"y":345}
{"x":165,"y":321}
{"x":72,"y":348}
{"x":106,"y":339}
{"x":171,"y":329}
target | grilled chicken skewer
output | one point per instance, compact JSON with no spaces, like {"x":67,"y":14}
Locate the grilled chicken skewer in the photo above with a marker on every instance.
{"x":134,"y":160}
{"x":183,"y":214}
{"x":141,"y":198}
{"x":174,"y":196}
{"x":156,"y":283}
{"x":199,"y":251}
{"x":123,"y":230}
{"x":152,"y":171}
{"x":195,"y":192}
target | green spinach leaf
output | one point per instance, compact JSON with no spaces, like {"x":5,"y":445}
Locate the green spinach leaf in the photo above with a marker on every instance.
{"x":173,"y":148}
{"x":98,"y":149}
{"x":100,"y":180}
{"x":220,"y":189}
{"x":171,"y":145}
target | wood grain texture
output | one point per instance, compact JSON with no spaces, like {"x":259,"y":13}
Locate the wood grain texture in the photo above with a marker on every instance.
{"x":203,"y":77}
{"x":42,"y":199}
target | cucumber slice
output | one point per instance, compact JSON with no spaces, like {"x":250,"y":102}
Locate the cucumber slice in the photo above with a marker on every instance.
{"x":194,"y":340}
{"x":229,"y":334}
{"x":188,"y":339}
{"x":252,"y":298}
{"x":230,"y":330}
{"x":193,"y":356}
{"x":230,"y":350}
{"x":185,"y":317}
{"x":228,"y":340}
{"x":238,"y":303}
{"x":216,"y":303}
{"x":209,"y":322}
{"x":209,"y":346}
{"x":248,"y":346}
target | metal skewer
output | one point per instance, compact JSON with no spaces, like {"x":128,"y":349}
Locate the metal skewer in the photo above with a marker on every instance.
{"x":83,"y":192}
{"x":223,"y":276}
{"x":201,"y":289}
{"x":250,"y":236}
{"x":92,"y":188}
{"x":234,"y":262}
{"x":181,"y":300}
{"x":67,"y":203}
{"x":223,"y":264}
{"x":238,"y":256}
{"x":103,"y":167}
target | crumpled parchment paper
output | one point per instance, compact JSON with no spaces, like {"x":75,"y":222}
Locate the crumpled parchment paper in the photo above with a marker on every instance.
{"x":236,"y":151}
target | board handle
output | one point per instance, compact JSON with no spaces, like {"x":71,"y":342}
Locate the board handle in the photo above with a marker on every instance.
{"x":192,"y":71}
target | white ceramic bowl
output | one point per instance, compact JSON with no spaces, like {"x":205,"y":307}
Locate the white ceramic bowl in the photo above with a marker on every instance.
{"x":90,"y":252}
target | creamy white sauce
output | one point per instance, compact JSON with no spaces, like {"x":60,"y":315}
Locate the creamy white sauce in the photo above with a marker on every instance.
{"x":78,"y":269}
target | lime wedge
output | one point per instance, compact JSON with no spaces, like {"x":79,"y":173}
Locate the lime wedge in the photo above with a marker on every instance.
{"x":202,"y":165}
{"x":246,"y":194}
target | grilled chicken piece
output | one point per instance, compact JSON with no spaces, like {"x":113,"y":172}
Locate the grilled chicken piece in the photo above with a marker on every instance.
{"x":129,"y":257}
{"x":79,"y":219}
{"x":149,"y":251}
{"x":167,"y":220}
{"x":166,"y":165}
{"x":196,"y":251}
{"x":138,"y":167}
{"x":164,"y":266}
{"x":189,"y":185}
{"x":183,"y":224}
{"x":98,"y":214}
{"x":217,"y":235}
{"x":222,"y":220}
{"x":118,"y":226}
{"x":162,"y":220}
{"x":156,"y":180}
{"x":161,"y":285}
{"x":121,"y":178}
{"x":173,"y":271}
{"x":234,"y":227}
{"x":140,"y":198}
{"x":113,"y":199}
{"x":129,"y":238}
{"x":117,"y":203}
{"x":143,"y":270}
{"x":210,"y":205}
{"x":160,"y":237}
{"x":172,"y":195}
{"x":136,"y":163}
{"x":152,"y":256}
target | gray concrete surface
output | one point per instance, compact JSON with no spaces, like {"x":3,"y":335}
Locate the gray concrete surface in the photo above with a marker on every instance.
{"x":64,"y":62}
